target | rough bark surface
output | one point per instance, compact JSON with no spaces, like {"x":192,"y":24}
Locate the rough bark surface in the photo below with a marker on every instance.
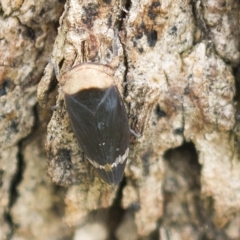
{"x":178,"y":75}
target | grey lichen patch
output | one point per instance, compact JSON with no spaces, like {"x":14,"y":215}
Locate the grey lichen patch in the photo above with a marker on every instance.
{"x":222,"y":20}
{"x":209,"y":113}
{"x":13,"y":124}
{"x":211,"y":91}
{"x":9,"y":8}
{"x":38,"y":198}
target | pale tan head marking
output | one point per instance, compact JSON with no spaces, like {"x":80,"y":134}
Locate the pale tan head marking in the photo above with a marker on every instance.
{"x":85,"y":76}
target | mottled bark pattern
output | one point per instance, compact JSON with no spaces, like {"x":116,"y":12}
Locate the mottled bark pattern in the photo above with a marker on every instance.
{"x":177,"y":72}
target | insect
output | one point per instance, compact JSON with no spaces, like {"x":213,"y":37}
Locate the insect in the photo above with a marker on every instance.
{"x":98,"y":118}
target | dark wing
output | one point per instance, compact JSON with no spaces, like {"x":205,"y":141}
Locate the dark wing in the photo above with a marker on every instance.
{"x":100,"y":124}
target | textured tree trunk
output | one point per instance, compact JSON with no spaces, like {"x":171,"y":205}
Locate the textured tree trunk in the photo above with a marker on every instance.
{"x":177,"y":72}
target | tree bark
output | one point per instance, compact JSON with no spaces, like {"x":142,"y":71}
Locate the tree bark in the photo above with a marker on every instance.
{"x":177,"y":73}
